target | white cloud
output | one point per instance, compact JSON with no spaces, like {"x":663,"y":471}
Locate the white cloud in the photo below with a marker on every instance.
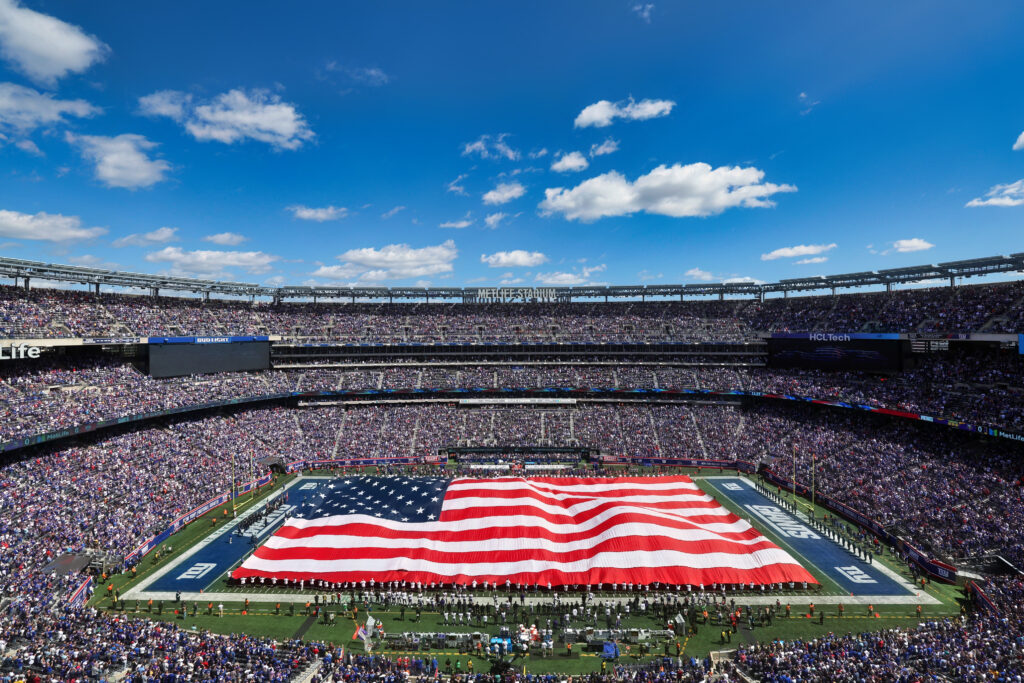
{"x":491,"y":147}
{"x":603,"y":113}
{"x":799,"y":250}
{"x":321,"y":214}
{"x":504,"y":193}
{"x":646,"y":275}
{"x":48,"y":227}
{"x":1010,"y":194}
{"x":456,"y":185}
{"x":564,"y":279}
{"x":506,"y":281}
{"x":29,"y":147}
{"x":1019,"y":145}
{"x":807,"y":103}
{"x":392,"y":212}
{"x":537,"y":154}
{"x":89,"y":260}
{"x":815,"y":259}
{"x":210,"y":263}
{"x":234,"y":116}
{"x":173,"y":104}
{"x":914,"y":244}
{"x":372,"y":76}
{"x":607,"y":147}
{"x":698,"y":274}
{"x":146,"y":239}
{"x":572,"y":161}
{"x":22,"y":109}
{"x":121,"y":161}
{"x":644,"y":11}
{"x":43,"y":47}
{"x":226,"y":239}
{"x":517,"y":258}
{"x":493,"y":220}
{"x":677,"y":191}
{"x":560,"y":279}
{"x":392,"y":262}
{"x":459,"y":224}
{"x":742,"y":280}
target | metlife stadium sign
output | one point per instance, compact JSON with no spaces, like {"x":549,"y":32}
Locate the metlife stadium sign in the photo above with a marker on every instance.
{"x":18,"y":352}
{"x":507,"y":295}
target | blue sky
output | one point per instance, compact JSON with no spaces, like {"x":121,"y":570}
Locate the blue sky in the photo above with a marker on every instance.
{"x":534,"y":143}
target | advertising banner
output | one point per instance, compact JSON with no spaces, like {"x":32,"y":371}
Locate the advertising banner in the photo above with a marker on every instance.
{"x":835,"y":336}
{"x":358,"y":462}
{"x":113,"y":340}
{"x":204,"y":340}
{"x":81,"y":594}
{"x":981,"y":598}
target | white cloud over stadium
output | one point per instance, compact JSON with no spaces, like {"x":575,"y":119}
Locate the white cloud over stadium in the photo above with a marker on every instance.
{"x":677,"y":191}
{"x":603,"y":113}
{"x":392,"y":262}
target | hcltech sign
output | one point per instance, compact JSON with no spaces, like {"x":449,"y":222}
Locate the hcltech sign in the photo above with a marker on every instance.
{"x":18,"y":352}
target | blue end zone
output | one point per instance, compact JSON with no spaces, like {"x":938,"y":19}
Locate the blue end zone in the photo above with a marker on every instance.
{"x":807,"y":545}
{"x":203,"y":568}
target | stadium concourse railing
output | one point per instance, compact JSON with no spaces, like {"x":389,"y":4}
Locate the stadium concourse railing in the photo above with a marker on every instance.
{"x":937,"y":569}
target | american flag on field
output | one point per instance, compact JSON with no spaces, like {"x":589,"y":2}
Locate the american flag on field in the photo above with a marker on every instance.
{"x":562,"y":531}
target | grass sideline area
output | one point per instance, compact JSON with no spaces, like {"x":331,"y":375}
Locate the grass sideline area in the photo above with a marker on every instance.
{"x":289,"y":620}
{"x":263,"y":620}
{"x":177,"y":544}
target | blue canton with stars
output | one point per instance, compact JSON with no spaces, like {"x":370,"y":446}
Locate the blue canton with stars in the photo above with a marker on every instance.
{"x":400,"y":499}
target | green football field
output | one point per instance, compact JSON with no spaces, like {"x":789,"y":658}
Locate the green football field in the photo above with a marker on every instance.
{"x":277,"y":615}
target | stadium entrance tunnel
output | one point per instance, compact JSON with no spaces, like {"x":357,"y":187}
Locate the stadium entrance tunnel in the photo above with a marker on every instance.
{"x":275,"y":464}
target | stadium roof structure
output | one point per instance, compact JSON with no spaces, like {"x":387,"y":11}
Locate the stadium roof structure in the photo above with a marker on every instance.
{"x":97,"y":277}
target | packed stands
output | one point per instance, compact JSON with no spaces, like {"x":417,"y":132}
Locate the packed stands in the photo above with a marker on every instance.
{"x":85,"y":644}
{"x":53,"y":313}
{"x":59,"y":393}
{"x":956,"y":496}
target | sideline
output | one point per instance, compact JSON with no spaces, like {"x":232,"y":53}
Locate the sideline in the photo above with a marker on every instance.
{"x":138,"y":591}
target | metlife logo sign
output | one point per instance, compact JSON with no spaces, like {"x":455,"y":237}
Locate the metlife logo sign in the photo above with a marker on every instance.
{"x":19,"y":352}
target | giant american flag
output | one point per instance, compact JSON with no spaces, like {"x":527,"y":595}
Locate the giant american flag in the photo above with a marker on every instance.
{"x":557,"y":530}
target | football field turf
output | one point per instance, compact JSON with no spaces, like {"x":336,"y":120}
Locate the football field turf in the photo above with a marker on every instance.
{"x":204,"y":554}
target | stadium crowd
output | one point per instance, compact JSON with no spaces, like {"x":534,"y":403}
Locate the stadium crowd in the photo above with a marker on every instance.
{"x":43,"y":313}
{"x":86,"y":644}
{"x":980,"y":648}
{"x":955,"y":496}
{"x":58,"y":393}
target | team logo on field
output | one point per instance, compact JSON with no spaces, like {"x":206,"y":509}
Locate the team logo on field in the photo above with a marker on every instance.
{"x":855,"y":574}
{"x":732,"y":487}
{"x":198,"y":571}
